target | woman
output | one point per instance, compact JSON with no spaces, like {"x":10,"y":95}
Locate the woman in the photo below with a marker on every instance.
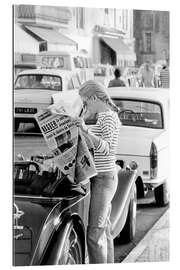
{"x":104,"y":135}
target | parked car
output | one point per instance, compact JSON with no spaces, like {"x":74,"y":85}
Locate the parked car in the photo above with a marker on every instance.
{"x":103,"y":74}
{"x":144,"y":137}
{"x":50,"y":223}
{"x":33,"y":89}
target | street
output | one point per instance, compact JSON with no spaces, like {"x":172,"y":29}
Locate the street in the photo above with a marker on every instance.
{"x":147,"y":215}
{"x":91,"y":91}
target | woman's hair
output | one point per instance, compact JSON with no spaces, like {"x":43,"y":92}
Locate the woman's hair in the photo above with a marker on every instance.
{"x":91,"y":88}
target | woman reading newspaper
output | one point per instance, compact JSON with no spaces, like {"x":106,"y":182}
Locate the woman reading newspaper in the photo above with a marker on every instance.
{"x":104,"y":135}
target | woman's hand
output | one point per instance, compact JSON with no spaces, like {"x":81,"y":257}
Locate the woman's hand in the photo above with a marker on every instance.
{"x":79,"y":122}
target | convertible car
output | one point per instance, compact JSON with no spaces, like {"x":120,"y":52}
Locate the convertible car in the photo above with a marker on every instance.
{"x":51,"y":213}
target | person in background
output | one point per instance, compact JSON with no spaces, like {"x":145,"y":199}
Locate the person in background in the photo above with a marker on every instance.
{"x":164,"y":75}
{"x":147,"y":75}
{"x":38,"y":81}
{"x":104,"y":135}
{"x":116,"y":81}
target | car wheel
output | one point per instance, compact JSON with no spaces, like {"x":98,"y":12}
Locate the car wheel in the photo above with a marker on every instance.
{"x":71,"y":250}
{"x":128,"y":232}
{"x":161,"y":195}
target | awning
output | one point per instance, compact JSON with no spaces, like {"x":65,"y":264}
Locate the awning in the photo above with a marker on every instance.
{"x":51,"y":35}
{"x":23,"y":42}
{"x":122,"y":50}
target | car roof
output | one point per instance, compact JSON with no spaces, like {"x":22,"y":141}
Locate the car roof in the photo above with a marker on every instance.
{"x":155,"y":94}
{"x":60,"y":72}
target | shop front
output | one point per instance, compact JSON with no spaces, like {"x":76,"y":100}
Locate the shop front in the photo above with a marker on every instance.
{"x":110,"y":48}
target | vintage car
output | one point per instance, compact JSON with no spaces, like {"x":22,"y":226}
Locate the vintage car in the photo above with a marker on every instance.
{"x":103,"y":74}
{"x":144,"y":114}
{"x":144,"y":137}
{"x":33,"y":89}
{"x":51,"y":214}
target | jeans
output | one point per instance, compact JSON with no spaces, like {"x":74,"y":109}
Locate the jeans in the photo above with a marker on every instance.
{"x":99,"y":239}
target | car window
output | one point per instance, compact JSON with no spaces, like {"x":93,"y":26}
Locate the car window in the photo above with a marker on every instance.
{"x":140,"y":113}
{"x":39,"y":81}
{"x":100,"y":71}
{"x":136,"y":113}
{"x":26,"y":126}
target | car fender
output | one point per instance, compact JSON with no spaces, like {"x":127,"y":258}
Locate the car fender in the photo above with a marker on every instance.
{"x":58,"y":240}
{"x":120,"y":202}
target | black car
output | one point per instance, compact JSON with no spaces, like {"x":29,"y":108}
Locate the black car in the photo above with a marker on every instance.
{"x":51,"y":213}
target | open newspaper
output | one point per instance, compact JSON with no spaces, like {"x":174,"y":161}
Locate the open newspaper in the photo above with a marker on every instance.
{"x":71,"y":150}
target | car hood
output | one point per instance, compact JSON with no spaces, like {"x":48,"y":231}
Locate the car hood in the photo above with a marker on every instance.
{"x":29,"y":96}
{"x":137,"y":140}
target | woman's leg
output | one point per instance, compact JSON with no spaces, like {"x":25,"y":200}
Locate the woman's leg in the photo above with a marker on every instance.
{"x":99,"y":239}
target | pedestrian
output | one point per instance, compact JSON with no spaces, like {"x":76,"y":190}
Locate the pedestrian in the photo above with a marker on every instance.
{"x":164,"y":75}
{"x":104,"y":135}
{"x":116,"y":81}
{"x":147,"y":75}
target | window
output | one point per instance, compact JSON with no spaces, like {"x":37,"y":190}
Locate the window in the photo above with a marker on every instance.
{"x":126,"y":20}
{"x":43,"y":46}
{"x":80,"y":18}
{"x":157,"y":22}
{"x":123,"y":19}
{"x":148,"y":38}
{"x":76,"y":81}
{"x":106,"y":11}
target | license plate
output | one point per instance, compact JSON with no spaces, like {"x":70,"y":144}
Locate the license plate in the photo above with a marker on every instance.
{"x":25,"y":110}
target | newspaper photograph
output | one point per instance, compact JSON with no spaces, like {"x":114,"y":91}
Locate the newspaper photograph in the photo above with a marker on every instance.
{"x":72,"y":153}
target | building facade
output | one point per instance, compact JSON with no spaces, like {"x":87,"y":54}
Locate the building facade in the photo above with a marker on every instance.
{"x":151,"y":33}
{"x":106,"y":35}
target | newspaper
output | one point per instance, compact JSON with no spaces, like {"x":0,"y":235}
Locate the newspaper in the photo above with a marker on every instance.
{"x":70,"y":149}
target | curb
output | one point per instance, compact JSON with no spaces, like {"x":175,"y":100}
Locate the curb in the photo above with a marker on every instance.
{"x":143,"y":244}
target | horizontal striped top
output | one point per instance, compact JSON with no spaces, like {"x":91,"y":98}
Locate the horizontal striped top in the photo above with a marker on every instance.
{"x":164,"y":78}
{"x":107,"y":129}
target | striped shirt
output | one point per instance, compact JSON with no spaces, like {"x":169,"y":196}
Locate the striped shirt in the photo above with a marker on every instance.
{"x":107,"y":129}
{"x":164,"y":78}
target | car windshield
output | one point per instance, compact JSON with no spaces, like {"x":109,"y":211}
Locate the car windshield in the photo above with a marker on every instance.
{"x":137,"y":113}
{"x":26,"y":126}
{"x":39,"y":81}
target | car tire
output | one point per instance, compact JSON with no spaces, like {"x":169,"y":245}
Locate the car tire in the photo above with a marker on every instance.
{"x":128,"y":232}
{"x":140,"y":189}
{"x":71,"y":251}
{"x":161,"y":195}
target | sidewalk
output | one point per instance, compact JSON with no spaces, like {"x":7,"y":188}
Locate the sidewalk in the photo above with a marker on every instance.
{"x":154,"y":247}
